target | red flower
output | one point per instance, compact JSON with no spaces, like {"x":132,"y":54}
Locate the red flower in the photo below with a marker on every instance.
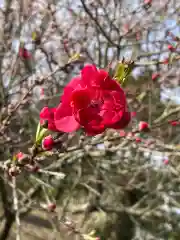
{"x":143,"y":126}
{"x":48,"y":143}
{"x":47,"y":114}
{"x":94,"y":101}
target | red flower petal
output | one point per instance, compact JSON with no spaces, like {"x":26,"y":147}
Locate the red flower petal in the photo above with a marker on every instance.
{"x":64,"y":119}
{"x":48,"y":114}
{"x":89,"y":75}
{"x":72,"y":85}
{"x":80,"y":99}
{"x":123,"y":122}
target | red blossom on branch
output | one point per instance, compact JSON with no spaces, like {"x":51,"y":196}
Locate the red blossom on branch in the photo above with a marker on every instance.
{"x":93,"y":101}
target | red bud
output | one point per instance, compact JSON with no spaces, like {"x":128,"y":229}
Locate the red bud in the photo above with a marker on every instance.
{"x":166,"y":61}
{"x":171,"y":48}
{"x":155,"y":76}
{"x":143,"y":126}
{"x":19,"y":155}
{"x":138,"y":139}
{"x":48,"y":143}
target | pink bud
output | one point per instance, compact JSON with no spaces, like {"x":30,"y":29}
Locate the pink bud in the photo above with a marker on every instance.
{"x":130,"y":135}
{"x":138,"y":36}
{"x":147,"y":1}
{"x":171,"y":48}
{"x":133,"y":114}
{"x":48,"y":143}
{"x":173,"y":123}
{"x":155,"y":76}
{"x":51,"y":207}
{"x":42,"y":92}
{"x":166,"y":161}
{"x":126,"y":28}
{"x":122,"y":133}
{"x":138,"y":139}
{"x":19,"y":155}
{"x":166,"y":61}
{"x":143,"y":126}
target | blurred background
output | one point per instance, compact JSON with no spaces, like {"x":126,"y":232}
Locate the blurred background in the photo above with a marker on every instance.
{"x":120,"y":185}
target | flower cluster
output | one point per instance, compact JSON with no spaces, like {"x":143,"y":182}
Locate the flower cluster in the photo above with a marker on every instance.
{"x":93,"y":101}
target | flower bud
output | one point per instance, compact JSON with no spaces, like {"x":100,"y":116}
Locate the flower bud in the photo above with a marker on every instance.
{"x":147,"y":1}
{"x":24,"y":53}
{"x":143,"y":126}
{"x":138,"y":139}
{"x":155,"y":76}
{"x":147,"y":4}
{"x":171,"y":48}
{"x":130,"y":136}
{"x":22,"y":158}
{"x":51,"y":207}
{"x":122,"y":133}
{"x":166,"y":161}
{"x":48,"y":143}
{"x":133,"y":114}
{"x":166,"y":61}
{"x":19,"y":155}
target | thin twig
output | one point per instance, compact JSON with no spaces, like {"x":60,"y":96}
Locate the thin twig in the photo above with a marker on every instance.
{"x":16,"y":209}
